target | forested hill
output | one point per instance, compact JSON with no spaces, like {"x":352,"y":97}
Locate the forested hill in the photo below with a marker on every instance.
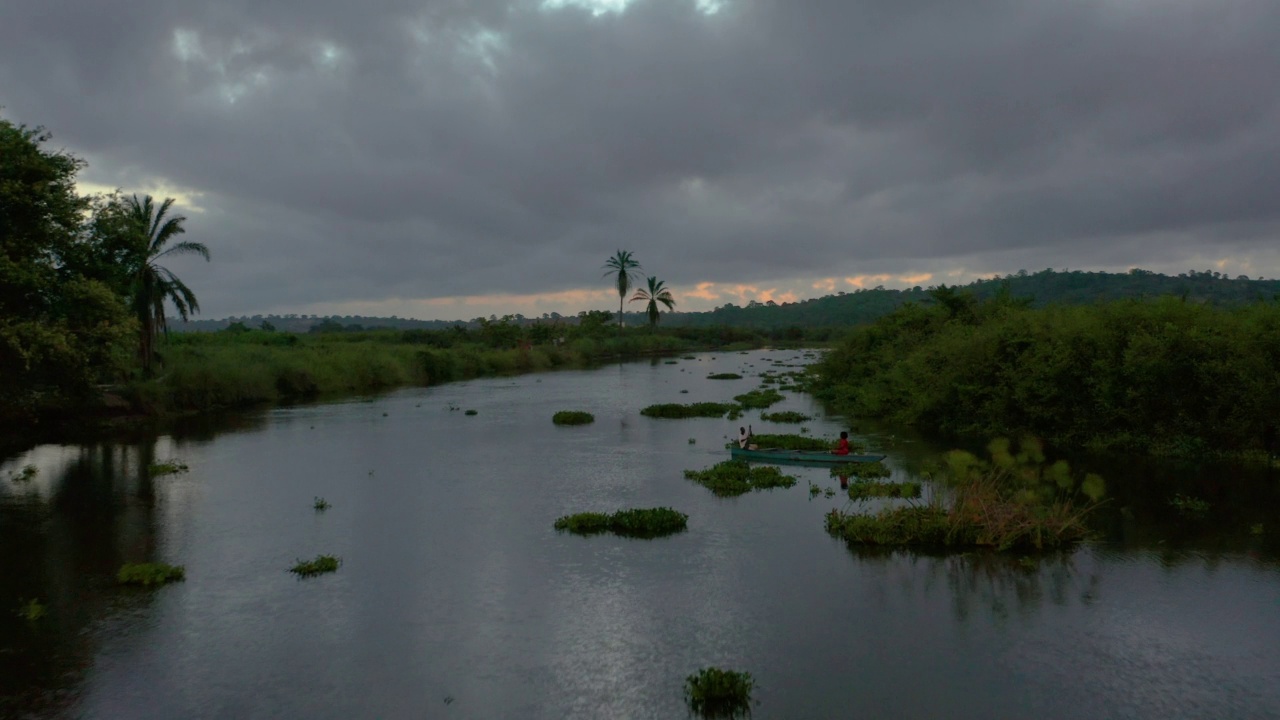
{"x":1046,"y":287}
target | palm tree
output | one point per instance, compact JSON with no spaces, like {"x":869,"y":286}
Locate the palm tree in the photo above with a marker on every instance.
{"x":150,"y":283}
{"x":621,"y":265}
{"x":655,"y":294}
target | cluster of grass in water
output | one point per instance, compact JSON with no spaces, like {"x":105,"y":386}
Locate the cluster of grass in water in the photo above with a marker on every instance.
{"x":320,"y":565}
{"x":26,"y":473}
{"x":636,"y":523}
{"x":864,"y":489}
{"x":785,"y":416}
{"x":866,"y":470}
{"x":688,"y":410}
{"x":724,"y":376}
{"x":1189,"y":507}
{"x":758,"y":399}
{"x":1011,"y":502}
{"x":320,"y":504}
{"x":168,"y":467}
{"x":715,"y":693}
{"x":147,"y":574}
{"x":31,"y":610}
{"x":794,"y":442}
{"x":735,"y":477}
{"x":572,"y":417}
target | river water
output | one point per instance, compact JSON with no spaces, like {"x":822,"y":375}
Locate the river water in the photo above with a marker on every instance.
{"x":457,"y":599}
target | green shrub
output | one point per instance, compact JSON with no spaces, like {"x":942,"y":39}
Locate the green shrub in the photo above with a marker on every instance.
{"x":320,"y":565}
{"x":321,"y":504}
{"x":147,"y":574}
{"x":31,"y":610}
{"x":572,"y":417}
{"x":864,"y":489}
{"x":735,"y":477}
{"x":715,"y":693}
{"x":1189,"y":507}
{"x":637,"y":523}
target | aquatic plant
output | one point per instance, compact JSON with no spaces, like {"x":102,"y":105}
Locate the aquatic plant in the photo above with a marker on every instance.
{"x":724,"y":376}
{"x":786,"y":416}
{"x":167,"y":467}
{"x":26,"y":473}
{"x":692,"y":441}
{"x":715,"y":693}
{"x":875,"y":469}
{"x":1255,"y":529}
{"x":471,"y":412}
{"x":757,"y":399}
{"x":829,"y":492}
{"x":1189,"y":507}
{"x":147,"y":574}
{"x":814,"y":489}
{"x":670,"y":362}
{"x":31,"y":610}
{"x":572,"y":417}
{"x":321,"y":504}
{"x":793,"y":442}
{"x":636,"y":523}
{"x":320,"y":565}
{"x":677,"y":410}
{"x":736,"y":477}
{"x":870,"y":489}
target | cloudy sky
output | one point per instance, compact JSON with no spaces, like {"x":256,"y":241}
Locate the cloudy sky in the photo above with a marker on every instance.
{"x":454,"y":158}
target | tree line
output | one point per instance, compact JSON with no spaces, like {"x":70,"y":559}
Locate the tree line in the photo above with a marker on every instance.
{"x":82,"y":288}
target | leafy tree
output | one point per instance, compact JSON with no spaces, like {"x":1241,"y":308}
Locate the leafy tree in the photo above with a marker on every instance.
{"x":150,"y":233}
{"x":654,"y":295}
{"x":622,"y":266}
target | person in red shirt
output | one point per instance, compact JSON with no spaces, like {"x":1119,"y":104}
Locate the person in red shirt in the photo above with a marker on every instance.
{"x":842,"y":447}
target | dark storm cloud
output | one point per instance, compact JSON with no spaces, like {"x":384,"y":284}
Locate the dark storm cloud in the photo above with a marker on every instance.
{"x":425,"y":149}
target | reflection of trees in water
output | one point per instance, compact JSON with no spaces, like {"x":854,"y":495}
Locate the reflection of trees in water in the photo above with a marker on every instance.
{"x":65,"y":550}
{"x":1000,"y":583}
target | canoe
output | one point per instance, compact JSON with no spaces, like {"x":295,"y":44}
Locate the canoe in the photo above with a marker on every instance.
{"x":779,"y":455}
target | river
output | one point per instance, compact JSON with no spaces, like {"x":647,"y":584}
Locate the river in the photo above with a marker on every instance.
{"x":457,"y":599}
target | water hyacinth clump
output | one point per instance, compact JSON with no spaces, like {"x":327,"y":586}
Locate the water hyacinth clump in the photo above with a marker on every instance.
{"x":320,"y":504}
{"x":26,"y":473}
{"x":678,"y":410}
{"x":794,"y":442}
{"x":864,"y":489}
{"x":715,"y":693}
{"x":869,"y":470}
{"x":471,"y":412}
{"x":724,"y":376}
{"x":147,"y":574}
{"x":636,"y":523}
{"x":736,"y":477}
{"x":786,"y":416}
{"x":758,"y":399}
{"x":572,"y":417}
{"x":168,"y":467}
{"x":320,"y":565}
{"x":31,"y":610}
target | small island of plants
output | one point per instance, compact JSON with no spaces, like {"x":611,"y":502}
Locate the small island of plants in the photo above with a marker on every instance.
{"x":715,"y":693}
{"x":724,"y":376}
{"x":320,"y":565}
{"x":636,"y":523}
{"x":736,"y":477}
{"x":688,"y":410}
{"x":167,"y":467}
{"x":572,"y":417}
{"x":147,"y":574}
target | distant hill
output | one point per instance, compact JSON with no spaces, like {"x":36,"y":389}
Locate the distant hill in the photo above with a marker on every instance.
{"x":842,"y":309}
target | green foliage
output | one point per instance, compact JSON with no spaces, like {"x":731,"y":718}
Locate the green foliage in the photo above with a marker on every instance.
{"x":320,"y":504}
{"x":167,"y":467}
{"x":864,"y":489}
{"x":655,"y":294}
{"x":1163,"y":377}
{"x":735,"y":477}
{"x":724,"y":376}
{"x":636,"y":523}
{"x":757,"y":399}
{"x":471,"y":412}
{"x":147,"y":574}
{"x":864,"y":470}
{"x":785,"y":416}
{"x":715,"y":693}
{"x":320,"y":565}
{"x":622,"y":267}
{"x":31,"y":610}
{"x":27,"y":473}
{"x":793,"y":442}
{"x":677,"y":410}
{"x":1192,"y":508}
{"x":572,"y":417}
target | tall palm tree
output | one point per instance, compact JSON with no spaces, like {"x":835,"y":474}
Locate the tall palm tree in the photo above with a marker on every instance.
{"x":152,"y":284}
{"x":655,"y":294}
{"x":622,"y":266}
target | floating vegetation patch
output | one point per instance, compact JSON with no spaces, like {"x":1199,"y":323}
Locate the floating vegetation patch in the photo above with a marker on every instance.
{"x":168,"y":467}
{"x":1189,"y":506}
{"x":688,"y":410}
{"x":875,"y":469}
{"x":670,"y":362}
{"x":636,"y":523}
{"x":573,"y":417}
{"x":724,"y":376}
{"x":759,"y":398}
{"x":31,"y":610}
{"x":320,"y":565}
{"x":794,"y":442}
{"x":321,"y":504}
{"x":471,"y":412}
{"x":147,"y":574}
{"x":736,"y":477}
{"x":688,"y":357}
{"x":692,"y":441}
{"x":786,"y":416}
{"x":865,"y":489}
{"x":1256,"y":529}
{"x":26,"y":473}
{"x":715,"y":693}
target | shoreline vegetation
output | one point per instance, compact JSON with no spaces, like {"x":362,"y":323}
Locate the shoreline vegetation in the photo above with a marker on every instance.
{"x":1162,"y":377}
